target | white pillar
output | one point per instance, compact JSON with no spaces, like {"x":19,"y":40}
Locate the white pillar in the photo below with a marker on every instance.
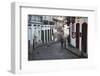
{"x":32,"y":26}
{"x":44,"y":34}
{"x":81,"y":21}
{"x":73,"y":40}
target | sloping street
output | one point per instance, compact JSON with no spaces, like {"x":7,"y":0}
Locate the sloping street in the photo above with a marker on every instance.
{"x":52,"y":51}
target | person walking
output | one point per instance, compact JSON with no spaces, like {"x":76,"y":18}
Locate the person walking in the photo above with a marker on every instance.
{"x":62,"y":38}
{"x":60,"y":34}
{"x":66,"y":34}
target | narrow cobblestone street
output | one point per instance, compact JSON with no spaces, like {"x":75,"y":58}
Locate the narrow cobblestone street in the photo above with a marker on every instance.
{"x":53,"y":51}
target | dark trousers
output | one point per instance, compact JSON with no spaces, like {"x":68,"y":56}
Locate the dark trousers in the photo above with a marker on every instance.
{"x":62,"y":42}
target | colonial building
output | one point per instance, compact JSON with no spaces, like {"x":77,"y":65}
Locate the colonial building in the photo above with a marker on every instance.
{"x":40,"y":30}
{"x":78,"y":33}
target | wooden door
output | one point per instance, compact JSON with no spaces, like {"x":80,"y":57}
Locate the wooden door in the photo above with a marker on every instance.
{"x":77,"y":35}
{"x":84,"y":37}
{"x":42,"y":36}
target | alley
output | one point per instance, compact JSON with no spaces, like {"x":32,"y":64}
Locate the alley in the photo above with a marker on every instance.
{"x":52,"y":51}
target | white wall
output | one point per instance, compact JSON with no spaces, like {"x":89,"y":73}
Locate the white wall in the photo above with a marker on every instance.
{"x":73,"y":40}
{"x":5,"y":42}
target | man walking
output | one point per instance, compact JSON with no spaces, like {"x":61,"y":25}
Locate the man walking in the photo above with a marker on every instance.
{"x":66,"y":34}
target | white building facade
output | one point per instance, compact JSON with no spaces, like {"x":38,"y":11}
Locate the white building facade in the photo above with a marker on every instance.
{"x":40,"y":29}
{"x":76,"y":33}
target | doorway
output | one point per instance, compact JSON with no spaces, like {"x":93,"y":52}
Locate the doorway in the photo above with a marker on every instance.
{"x":84,"y":37}
{"x":77,"y":35}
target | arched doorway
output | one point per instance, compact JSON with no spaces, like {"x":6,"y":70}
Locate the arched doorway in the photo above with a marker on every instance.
{"x":77,"y":35}
{"x":84,"y":37}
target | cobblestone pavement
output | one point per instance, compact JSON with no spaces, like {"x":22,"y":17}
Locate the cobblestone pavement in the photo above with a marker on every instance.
{"x":49,"y":52}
